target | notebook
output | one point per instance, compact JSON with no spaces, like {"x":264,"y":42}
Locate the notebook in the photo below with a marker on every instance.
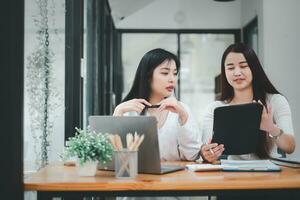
{"x":148,"y":153}
{"x":249,"y":166}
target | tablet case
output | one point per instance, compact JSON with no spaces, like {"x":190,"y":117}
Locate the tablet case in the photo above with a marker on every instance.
{"x":237,"y":127}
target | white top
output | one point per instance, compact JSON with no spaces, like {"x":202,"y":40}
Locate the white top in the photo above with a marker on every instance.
{"x":281,"y":116}
{"x":178,"y":142}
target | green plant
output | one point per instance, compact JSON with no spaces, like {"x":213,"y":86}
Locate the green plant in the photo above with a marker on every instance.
{"x":44,"y":98}
{"x":89,"y":146}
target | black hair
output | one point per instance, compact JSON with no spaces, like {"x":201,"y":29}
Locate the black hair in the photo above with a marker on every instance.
{"x":141,"y":87}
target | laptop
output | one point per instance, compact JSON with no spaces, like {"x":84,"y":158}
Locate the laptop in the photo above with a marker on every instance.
{"x":148,"y":154}
{"x":238,"y":128}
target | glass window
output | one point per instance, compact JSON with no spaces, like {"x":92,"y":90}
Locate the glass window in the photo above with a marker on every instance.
{"x":250,"y":33}
{"x":200,"y":56}
{"x":44,"y":80}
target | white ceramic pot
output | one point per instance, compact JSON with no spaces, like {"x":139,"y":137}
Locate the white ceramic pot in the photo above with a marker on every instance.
{"x":88,"y":168}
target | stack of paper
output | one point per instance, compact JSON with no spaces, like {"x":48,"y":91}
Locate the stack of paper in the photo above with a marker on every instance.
{"x":249,"y":165}
{"x":203,"y":167}
{"x":237,"y":165}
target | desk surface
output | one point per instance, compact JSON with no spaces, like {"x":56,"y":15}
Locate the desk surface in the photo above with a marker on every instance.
{"x":57,"y":177}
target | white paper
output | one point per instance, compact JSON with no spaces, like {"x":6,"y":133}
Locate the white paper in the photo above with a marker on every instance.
{"x":203,"y":167}
{"x":249,"y":165}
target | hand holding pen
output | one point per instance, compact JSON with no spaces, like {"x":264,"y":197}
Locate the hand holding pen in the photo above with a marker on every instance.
{"x":136,"y":105}
{"x":210,"y":152}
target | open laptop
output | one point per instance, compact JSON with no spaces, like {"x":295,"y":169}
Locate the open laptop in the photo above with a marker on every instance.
{"x":238,"y":128}
{"x":148,"y":154}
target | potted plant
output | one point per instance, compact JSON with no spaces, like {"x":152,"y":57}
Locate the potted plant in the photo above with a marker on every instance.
{"x":89,"y":148}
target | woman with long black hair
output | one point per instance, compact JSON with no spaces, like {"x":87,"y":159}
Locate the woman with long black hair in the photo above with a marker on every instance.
{"x":152,"y":94}
{"x":244,"y":81}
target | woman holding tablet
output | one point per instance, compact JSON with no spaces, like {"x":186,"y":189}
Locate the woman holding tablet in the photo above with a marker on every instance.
{"x":244,"y":81}
{"x":151,"y":94}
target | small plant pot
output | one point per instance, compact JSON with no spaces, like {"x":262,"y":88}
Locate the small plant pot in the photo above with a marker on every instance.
{"x":88,"y":168}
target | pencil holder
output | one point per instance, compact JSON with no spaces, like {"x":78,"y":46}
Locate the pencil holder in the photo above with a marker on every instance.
{"x":126,"y":164}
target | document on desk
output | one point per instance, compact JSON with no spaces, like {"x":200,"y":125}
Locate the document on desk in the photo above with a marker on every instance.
{"x":203,"y":167}
{"x":249,"y":165}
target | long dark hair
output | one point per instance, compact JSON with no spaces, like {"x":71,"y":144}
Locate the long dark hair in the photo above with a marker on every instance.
{"x":261,"y":85}
{"x":141,"y":87}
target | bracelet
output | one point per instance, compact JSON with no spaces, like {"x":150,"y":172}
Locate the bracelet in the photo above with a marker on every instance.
{"x":275,"y":137}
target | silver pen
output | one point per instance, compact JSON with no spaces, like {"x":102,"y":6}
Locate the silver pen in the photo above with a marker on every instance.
{"x":211,"y":151}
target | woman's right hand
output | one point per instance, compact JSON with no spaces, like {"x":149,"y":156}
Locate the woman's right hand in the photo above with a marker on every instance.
{"x":211,"y":152}
{"x":136,"y":105}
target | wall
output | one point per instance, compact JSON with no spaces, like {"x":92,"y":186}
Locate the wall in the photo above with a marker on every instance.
{"x":188,"y":14}
{"x":279,"y":30}
{"x":281,"y":52}
{"x":249,"y":10}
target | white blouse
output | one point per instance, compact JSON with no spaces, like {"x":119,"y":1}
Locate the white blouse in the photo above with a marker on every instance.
{"x":281,"y":117}
{"x":177,"y":142}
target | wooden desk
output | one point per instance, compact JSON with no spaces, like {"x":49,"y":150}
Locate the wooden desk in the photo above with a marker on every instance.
{"x":59,"y":180}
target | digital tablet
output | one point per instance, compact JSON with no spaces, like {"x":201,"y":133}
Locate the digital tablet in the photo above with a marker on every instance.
{"x":237,"y":127}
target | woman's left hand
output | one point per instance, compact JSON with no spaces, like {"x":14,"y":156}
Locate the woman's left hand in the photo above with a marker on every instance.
{"x":171,"y":104}
{"x":267,"y":123}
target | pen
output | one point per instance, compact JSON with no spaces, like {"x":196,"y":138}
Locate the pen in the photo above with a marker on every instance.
{"x":153,"y":106}
{"x":211,"y":151}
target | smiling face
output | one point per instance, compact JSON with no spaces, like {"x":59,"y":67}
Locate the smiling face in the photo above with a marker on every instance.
{"x":237,"y":71}
{"x":164,"y":79}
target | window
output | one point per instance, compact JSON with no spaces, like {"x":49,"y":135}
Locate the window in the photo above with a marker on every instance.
{"x":200,"y":55}
{"x":44,"y":80}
